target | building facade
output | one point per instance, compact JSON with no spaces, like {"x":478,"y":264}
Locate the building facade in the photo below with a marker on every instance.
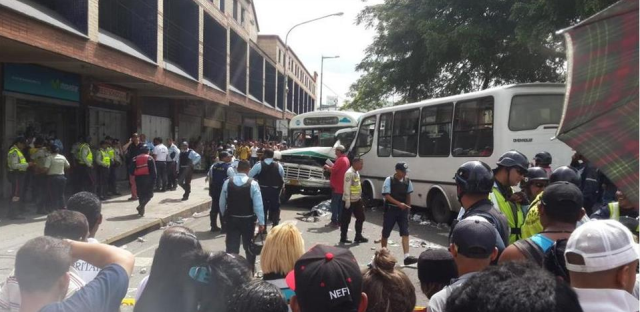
{"x":189,"y":69}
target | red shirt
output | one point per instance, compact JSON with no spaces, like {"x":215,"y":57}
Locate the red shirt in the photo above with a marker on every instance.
{"x":337,"y":173}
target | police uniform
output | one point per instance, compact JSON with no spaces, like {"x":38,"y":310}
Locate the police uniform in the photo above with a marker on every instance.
{"x":86,"y":176}
{"x":270,"y":176}
{"x":144,"y":171}
{"x":218,"y":174}
{"x":172,"y":159}
{"x":115,"y":163}
{"x":399,"y":190}
{"x":40,"y":178}
{"x":241,"y":204}
{"x":103,"y":159}
{"x":513,"y":211}
{"x":56,"y":181}
{"x":17,"y":174}
{"x":352,"y":197}
{"x":186,"y":161}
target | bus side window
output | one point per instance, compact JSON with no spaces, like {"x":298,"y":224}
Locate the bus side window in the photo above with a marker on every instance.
{"x":473,"y":128}
{"x":365,"y":135}
{"x":405,"y":133}
{"x":435,"y":130}
{"x":384,"y":135}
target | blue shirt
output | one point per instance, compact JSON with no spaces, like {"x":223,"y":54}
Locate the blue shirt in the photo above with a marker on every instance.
{"x":258,"y":167}
{"x":240,"y":179}
{"x":386,"y":187}
{"x":102,"y":294}
{"x":195,"y":158}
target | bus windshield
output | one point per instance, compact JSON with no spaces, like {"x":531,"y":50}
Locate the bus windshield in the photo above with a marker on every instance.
{"x":323,"y":137}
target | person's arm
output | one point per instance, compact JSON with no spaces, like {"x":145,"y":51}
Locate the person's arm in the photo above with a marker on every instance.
{"x":99,"y":159}
{"x":14,"y":162}
{"x":281,"y":170}
{"x":195,"y":157}
{"x":152,"y":168}
{"x":47,"y":163}
{"x":223,"y":197}
{"x":66,"y":163}
{"x":346,"y":190}
{"x":511,"y":253}
{"x":602,"y":214}
{"x":409,"y":191}
{"x":230,"y":172}
{"x":386,"y":192}
{"x":255,"y":170}
{"x":85,"y":156}
{"x":258,"y":208}
{"x":102,"y":255}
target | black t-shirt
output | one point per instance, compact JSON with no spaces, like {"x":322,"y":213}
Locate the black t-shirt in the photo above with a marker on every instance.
{"x":133,"y":151}
{"x":102,"y":294}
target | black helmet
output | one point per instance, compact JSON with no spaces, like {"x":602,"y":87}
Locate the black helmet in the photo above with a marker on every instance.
{"x":542,"y":158}
{"x":474,"y":177}
{"x":513,"y":159}
{"x":536,"y":174}
{"x":565,"y":173}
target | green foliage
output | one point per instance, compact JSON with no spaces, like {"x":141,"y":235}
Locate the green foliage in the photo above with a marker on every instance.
{"x":432,"y":48}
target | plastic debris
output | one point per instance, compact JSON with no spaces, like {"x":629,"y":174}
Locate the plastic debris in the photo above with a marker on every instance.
{"x":425,"y":222}
{"x":320,"y":210}
{"x":442,"y":226}
{"x":128,"y":301}
{"x":141,"y":239}
{"x":417,"y":218}
{"x":143,"y":271}
{"x":200,"y":214}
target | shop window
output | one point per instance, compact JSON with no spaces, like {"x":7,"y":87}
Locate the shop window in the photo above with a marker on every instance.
{"x":473,"y":128}
{"x":405,"y":133}
{"x":384,"y":135}
{"x":435,"y":130}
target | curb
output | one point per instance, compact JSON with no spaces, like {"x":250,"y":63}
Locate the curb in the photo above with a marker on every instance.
{"x":153,"y":225}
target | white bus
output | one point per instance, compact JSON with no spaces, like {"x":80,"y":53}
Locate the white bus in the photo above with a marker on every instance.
{"x":313,"y":138}
{"x":434,"y":137}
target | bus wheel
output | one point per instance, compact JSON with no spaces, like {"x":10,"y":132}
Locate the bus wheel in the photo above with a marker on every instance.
{"x":440,"y":209}
{"x":367,"y":196}
{"x":285,"y":196}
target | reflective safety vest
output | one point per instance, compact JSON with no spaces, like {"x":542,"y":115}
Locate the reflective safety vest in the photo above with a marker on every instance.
{"x":356,"y":187}
{"x":89,"y":159}
{"x":105,"y":158}
{"x":614,"y":211}
{"x":532,"y":225}
{"x":23,"y":160}
{"x":512,"y":211}
{"x":142,"y":165}
{"x":112,"y":153}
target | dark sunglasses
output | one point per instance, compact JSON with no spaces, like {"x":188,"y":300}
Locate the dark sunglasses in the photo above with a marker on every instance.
{"x":540,"y":185}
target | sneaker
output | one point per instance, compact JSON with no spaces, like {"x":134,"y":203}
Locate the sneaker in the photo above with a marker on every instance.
{"x":140,"y":211}
{"x":410,"y":260}
{"x":185,"y":198}
{"x":215,"y":229}
{"x":132,"y":198}
{"x":346,"y":241}
{"x":361,"y":239}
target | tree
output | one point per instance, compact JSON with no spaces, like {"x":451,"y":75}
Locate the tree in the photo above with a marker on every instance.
{"x":432,"y":48}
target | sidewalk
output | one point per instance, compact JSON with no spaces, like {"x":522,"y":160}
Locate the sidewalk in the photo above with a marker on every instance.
{"x":120,"y":218}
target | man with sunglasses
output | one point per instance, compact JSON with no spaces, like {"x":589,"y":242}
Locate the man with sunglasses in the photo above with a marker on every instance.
{"x":511,"y":170}
{"x":533,"y":185}
{"x":622,"y":208}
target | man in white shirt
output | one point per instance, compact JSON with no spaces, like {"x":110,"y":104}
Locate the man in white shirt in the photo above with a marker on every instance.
{"x":161,"y":156}
{"x":254,"y":153}
{"x":602,"y":259}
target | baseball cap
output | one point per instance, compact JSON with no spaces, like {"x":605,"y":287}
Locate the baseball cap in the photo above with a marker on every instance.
{"x":340,"y":148}
{"x":326,"y":278}
{"x":562,"y":195}
{"x":402,"y":166}
{"x":475,"y":237}
{"x":603,"y":245}
{"x":436,"y":265}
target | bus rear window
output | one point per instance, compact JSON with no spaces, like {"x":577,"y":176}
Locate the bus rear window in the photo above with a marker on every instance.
{"x":528,"y":112}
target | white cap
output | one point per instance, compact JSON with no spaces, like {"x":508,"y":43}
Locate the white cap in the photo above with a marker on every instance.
{"x":340,"y":148}
{"x":603,"y":244}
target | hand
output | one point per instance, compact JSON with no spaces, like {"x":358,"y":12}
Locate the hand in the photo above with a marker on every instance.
{"x":260,"y":228}
{"x":326,"y":167}
{"x":347,"y":204}
{"x":406,"y":206}
{"x":517,"y":198}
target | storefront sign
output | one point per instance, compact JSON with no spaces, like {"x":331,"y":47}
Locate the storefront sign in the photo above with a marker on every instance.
{"x":43,"y":81}
{"x":109,"y":93}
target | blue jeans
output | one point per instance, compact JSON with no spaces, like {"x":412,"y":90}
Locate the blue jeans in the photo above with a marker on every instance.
{"x":336,"y":207}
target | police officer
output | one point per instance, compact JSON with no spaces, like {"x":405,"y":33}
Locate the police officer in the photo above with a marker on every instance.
{"x":144,"y":170}
{"x":511,"y":170}
{"x":218,"y":174}
{"x":543,"y":160}
{"x":241,"y":204}
{"x":187,"y":159}
{"x":474,"y":182}
{"x":116,"y":161}
{"x":396,"y":191}
{"x":352,"y":197}
{"x":532,"y":185}
{"x":172,"y":159}
{"x":86,"y":176}
{"x":55,"y":165}
{"x":622,"y":208}
{"x":17,"y":174}
{"x":39,"y":185}
{"x":270,"y":176}
{"x":103,"y":160}
{"x":532,"y":225}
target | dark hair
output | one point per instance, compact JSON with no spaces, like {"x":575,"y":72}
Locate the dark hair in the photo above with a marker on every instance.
{"x":513,"y":286}
{"x":244,"y":165}
{"x":54,"y":149}
{"x":258,"y":296}
{"x":387,"y":287}
{"x":66,"y":224}
{"x":38,"y":141}
{"x":268,"y":153}
{"x":563,"y":214}
{"x":169,"y":287}
{"x":88,"y":204}
{"x":19,"y":139}
{"x":227,"y":273}
{"x":40,"y":262}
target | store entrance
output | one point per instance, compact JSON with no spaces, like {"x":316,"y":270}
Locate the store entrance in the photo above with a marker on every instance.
{"x":34,"y":118}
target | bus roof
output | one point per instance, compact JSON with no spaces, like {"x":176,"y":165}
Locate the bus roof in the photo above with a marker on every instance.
{"x":464,"y":96}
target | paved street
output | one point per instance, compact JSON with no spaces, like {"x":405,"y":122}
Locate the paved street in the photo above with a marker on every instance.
{"x":313,"y":233}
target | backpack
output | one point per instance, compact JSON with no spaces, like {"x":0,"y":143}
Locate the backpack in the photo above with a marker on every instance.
{"x":554,"y":261}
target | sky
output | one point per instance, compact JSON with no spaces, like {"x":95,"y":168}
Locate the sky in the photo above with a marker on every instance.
{"x":338,"y":35}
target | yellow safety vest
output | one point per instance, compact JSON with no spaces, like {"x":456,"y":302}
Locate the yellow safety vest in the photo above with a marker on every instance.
{"x":614,"y":211}
{"x":89,"y":159}
{"x":507,"y":208}
{"x":356,"y":187}
{"x":532,"y":225}
{"x":23,"y":160}
{"x":112,"y":153}
{"x":105,"y":158}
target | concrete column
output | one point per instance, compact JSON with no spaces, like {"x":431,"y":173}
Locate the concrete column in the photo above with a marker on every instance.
{"x":200,"y":43}
{"x":160,"y":59}
{"x":94,"y":20}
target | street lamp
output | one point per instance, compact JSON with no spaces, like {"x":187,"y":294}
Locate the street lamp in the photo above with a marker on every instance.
{"x":322,"y":73}
{"x":286,"y":63}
